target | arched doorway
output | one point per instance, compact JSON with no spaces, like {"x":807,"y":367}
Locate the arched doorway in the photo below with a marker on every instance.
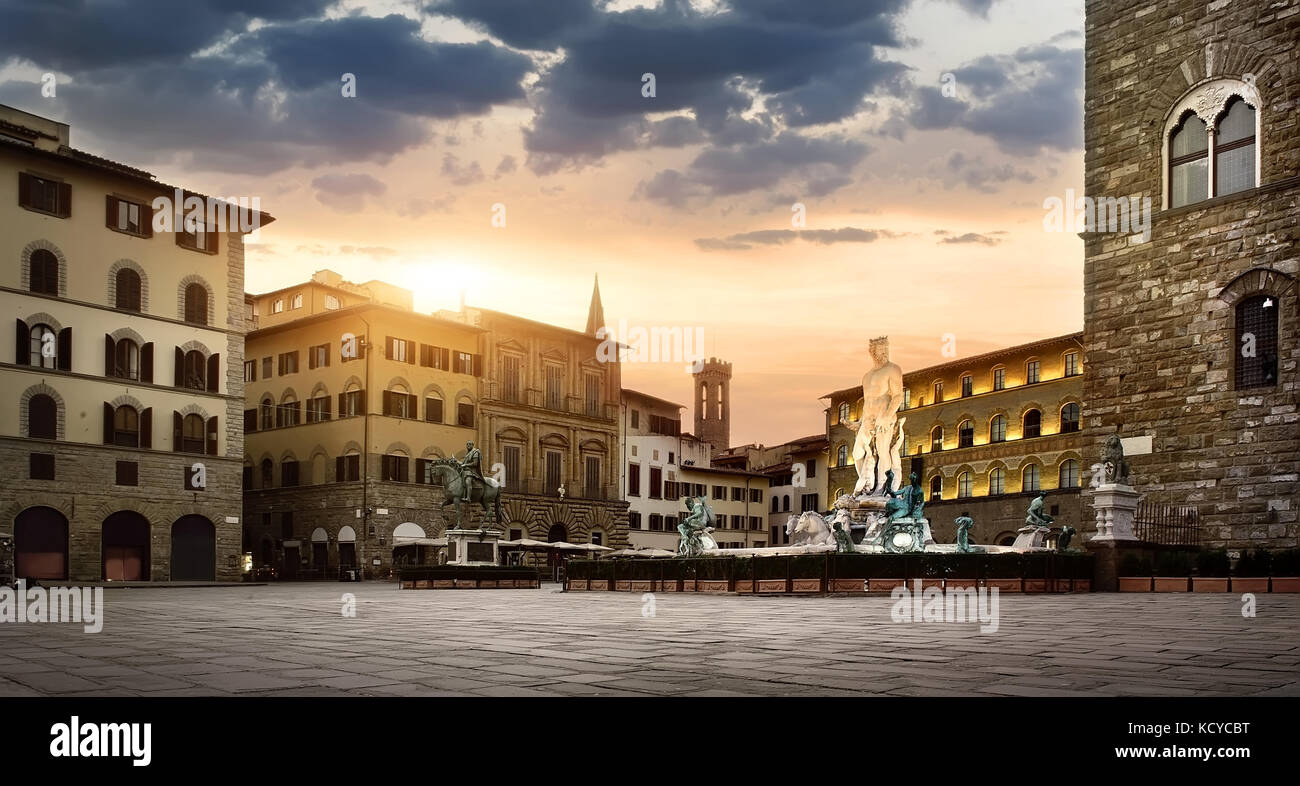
{"x":124,"y":547}
{"x":41,"y":544}
{"x":406,"y":551}
{"x":347,"y":547}
{"x":555,"y":559}
{"x":320,"y":549}
{"x":194,"y":549}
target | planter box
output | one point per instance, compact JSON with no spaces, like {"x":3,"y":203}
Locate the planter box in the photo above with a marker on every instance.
{"x":771,"y":585}
{"x":1035,"y":585}
{"x":408,"y":585}
{"x":1249,"y":585}
{"x":1134,"y":584}
{"x":745,"y":586}
{"x":1004,"y":585}
{"x":845,"y":585}
{"x":443,"y":584}
{"x":806,"y":585}
{"x":488,"y":584}
{"x":961,"y":583}
{"x":1286,"y":584}
{"x":884,"y":585}
{"x":1170,"y":583}
{"x":712,"y":585}
{"x":640,"y":586}
{"x":423,"y":584}
{"x":1082,"y":585}
{"x":577,"y":585}
{"x":1209,"y":584}
{"x":667,"y":586}
{"x":598,"y":585}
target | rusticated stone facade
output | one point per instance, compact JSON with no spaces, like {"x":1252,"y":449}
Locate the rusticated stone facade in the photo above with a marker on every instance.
{"x":1161,"y":316}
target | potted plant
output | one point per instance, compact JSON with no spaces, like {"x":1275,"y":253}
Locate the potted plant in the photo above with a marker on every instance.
{"x":1211,"y":571}
{"x":1286,"y":570}
{"x":1134,"y":573}
{"x":1251,"y":572}
{"x":1173,"y":571}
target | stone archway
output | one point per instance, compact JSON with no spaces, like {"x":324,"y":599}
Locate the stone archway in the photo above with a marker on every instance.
{"x":194,"y":549}
{"x":124,"y":547}
{"x":41,"y":544}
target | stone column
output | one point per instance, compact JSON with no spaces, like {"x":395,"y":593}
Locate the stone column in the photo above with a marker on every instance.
{"x":1115,"y":505}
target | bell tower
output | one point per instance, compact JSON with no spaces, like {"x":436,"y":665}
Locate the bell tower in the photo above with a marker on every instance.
{"x":713,"y":403}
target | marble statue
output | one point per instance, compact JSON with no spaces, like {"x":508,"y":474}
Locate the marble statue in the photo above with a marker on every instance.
{"x":964,"y":522}
{"x":695,"y":528}
{"x":875,"y":451}
{"x":810,"y":529}
{"x":1035,"y":516}
{"x":1113,"y":466}
{"x":1063,"y":544}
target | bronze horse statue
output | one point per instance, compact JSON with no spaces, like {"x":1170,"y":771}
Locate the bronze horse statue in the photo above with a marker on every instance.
{"x":449,"y":473}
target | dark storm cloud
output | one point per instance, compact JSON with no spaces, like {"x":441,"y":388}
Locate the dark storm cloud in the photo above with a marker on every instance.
{"x":347,"y":192}
{"x":525,"y":24}
{"x":1025,"y":101}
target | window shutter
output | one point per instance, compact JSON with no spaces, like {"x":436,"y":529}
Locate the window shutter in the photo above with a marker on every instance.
{"x":22,"y":345}
{"x":212,"y":435}
{"x":110,"y":212}
{"x":250,"y":420}
{"x":325,"y":407}
{"x":108,"y":423}
{"x":446,"y":358}
{"x":388,"y":347}
{"x":146,"y":362}
{"x":180,"y":367}
{"x":388,"y":406}
{"x":65,"y":199}
{"x":413,"y":406}
{"x":214,"y":241}
{"x":146,"y":220}
{"x":361,"y":404}
{"x":176,"y":431}
{"x":24,"y":189}
{"x":340,"y":473}
{"x":327,"y":356}
{"x":110,"y":360}
{"x":280,"y":363}
{"x":214,"y":372}
{"x":410,"y":352}
{"x":146,"y":428}
{"x":64,"y":361}
{"x":478,"y":365}
{"x":342,"y":404}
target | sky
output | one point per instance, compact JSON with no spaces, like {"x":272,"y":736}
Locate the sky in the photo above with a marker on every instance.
{"x":804,"y":176}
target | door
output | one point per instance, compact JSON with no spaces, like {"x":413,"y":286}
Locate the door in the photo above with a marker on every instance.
{"x":194,"y":549}
{"x":290,"y":563}
{"x":124,"y":545}
{"x":41,"y":544}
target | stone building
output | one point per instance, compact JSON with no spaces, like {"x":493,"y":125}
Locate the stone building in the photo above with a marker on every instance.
{"x":655,"y":451}
{"x":1191,"y":331}
{"x":984,"y":434}
{"x":350,"y":394}
{"x":713,"y":403}
{"x":121,"y":437}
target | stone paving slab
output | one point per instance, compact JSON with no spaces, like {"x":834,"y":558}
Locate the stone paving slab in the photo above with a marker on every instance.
{"x":291,"y":639}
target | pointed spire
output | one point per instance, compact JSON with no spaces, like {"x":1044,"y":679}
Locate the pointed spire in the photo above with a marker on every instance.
{"x":596,"y":314}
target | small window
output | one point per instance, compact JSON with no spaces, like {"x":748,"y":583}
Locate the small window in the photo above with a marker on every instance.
{"x":44,"y":269}
{"x":192,"y":434}
{"x":1189,"y":163}
{"x":126,"y":359}
{"x":44,"y":195}
{"x":842,"y":456}
{"x":966,"y":434}
{"x":196,"y":304}
{"x":433,"y":410}
{"x":126,"y":427}
{"x":331,"y":302}
{"x":200,"y":239}
{"x":963,"y":485}
{"x":1071,"y":364}
{"x":1031,"y":372}
{"x":465,"y":414}
{"x":297,"y":300}
{"x":938,"y":392}
{"x":42,"y":417}
{"x":907,"y":398}
{"x":1069,"y":418}
{"x":127,"y":286}
{"x":997,"y":481}
{"x":1234,"y":149}
{"x":999,"y":379}
{"x":128,"y":473}
{"x":41,"y":466}
{"x":936,"y":439}
{"x":250,"y":370}
{"x":133,"y":218}
{"x":1033,"y":424}
{"x":1069,"y":475}
{"x":278,"y":306}
{"x":1257,"y":343}
{"x":936,"y":487}
{"x":967,"y":386}
{"x":844,"y":412}
{"x":1029,"y":478}
{"x":194,"y":371}
{"x":998,"y":429}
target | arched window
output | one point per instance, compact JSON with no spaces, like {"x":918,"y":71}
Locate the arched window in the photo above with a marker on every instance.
{"x":1256,"y":349}
{"x":268,"y":473}
{"x":936,"y":487}
{"x":776,"y":503}
{"x":1189,"y":162}
{"x":1033,"y":425}
{"x":963,"y":485}
{"x":192,"y":437}
{"x":1029,"y":478}
{"x":44,"y":268}
{"x":844,"y":412}
{"x":936,"y":439}
{"x":44,"y":347}
{"x":267,"y":414}
{"x":126,"y":426}
{"x":1069,"y":476}
{"x":126,"y":359}
{"x":720,"y":415}
{"x":842,"y":456}
{"x":196,"y":304}
{"x":997,"y":481}
{"x":42,"y":417}
{"x":194,"y":370}
{"x":785,"y":503}
{"x":128,"y":289}
{"x":998,"y":429}
{"x":965,"y":434}
{"x":1069,"y":418}
{"x":1234,"y":149}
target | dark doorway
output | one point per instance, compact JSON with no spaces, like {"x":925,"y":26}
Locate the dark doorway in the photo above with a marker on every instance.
{"x":320,"y":556}
{"x":41,"y":544}
{"x":194,"y":549}
{"x":125,"y":547}
{"x":347,"y":555}
{"x":291,"y":559}
{"x":555,"y":559}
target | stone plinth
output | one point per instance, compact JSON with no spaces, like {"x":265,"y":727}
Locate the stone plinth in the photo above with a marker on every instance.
{"x":472,"y":547}
{"x":1116,"y":505}
{"x":1030,"y":537}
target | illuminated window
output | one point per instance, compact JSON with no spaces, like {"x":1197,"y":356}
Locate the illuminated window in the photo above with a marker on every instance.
{"x":1069,"y":475}
{"x":997,"y":481}
{"x":1029,"y":478}
{"x":998,"y":429}
{"x":963,"y":485}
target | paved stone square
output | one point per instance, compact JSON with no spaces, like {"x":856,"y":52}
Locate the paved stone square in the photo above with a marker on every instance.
{"x":292,"y":639}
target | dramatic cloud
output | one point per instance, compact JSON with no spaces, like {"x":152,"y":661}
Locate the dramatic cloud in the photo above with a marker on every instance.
{"x":960,"y":169}
{"x":346,"y":193}
{"x":745,"y":241}
{"x":970,"y":237}
{"x":460,"y":174}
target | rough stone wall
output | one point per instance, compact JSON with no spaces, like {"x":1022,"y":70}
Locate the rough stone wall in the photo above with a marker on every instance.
{"x":1159,"y":315}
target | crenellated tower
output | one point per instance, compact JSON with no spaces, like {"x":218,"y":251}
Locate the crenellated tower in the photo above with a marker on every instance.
{"x":713,"y":403}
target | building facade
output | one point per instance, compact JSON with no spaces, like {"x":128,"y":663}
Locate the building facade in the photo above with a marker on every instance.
{"x":350,"y":395}
{"x":712,"y":403}
{"x":122,"y":438}
{"x":655,"y":452}
{"x":1191,"y":332}
{"x":984,"y":434}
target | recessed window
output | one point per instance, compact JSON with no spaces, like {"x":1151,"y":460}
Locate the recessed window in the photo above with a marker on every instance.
{"x":250,"y":370}
{"x":297,"y":300}
{"x":278,"y":306}
{"x":1234,"y":149}
{"x":42,"y":417}
{"x":200,"y":238}
{"x":963,"y":485}
{"x":997,"y":481}
{"x":465,"y":415}
{"x":433,"y":409}
{"x":127,"y":473}
{"x":1033,"y":424}
{"x":331,"y":302}
{"x":44,"y":347}
{"x":1189,"y":162}
{"x":998,"y":429}
{"x":936,"y":487}
{"x":967,"y":386}
{"x":842,"y":456}
{"x":1257,"y":347}
{"x":1069,"y":418}
{"x":1032,"y":369}
{"x":126,"y":359}
{"x":936,"y":439}
{"x":44,"y":195}
{"x":938,"y":392}
{"x":999,"y":378}
{"x":196,"y":304}
{"x":133,"y":218}
{"x":127,"y":290}
{"x":194,"y":370}
{"x":1069,"y":475}
{"x":1071,"y":364}
{"x":844,"y":412}
{"x":966,"y":434}
{"x":44,"y":269}
{"x":192,"y":434}
{"x":1029,"y":478}
{"x":41,"y":466}
{"x":126,"y":427}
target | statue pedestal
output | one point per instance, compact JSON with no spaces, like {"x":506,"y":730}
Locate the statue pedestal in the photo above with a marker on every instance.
{"x":472,"y":547}
{"x":1116,"y":506}
{"x":1030,"y":537}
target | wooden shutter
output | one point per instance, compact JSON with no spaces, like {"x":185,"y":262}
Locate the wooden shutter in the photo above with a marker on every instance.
{"x":64,"y":360}
{"x":65,"y":199}
{"x":146,"y":428}
{"x":25,"y":190}
{"x":389,"y":341}
{"x":410,"y":352}
{"x":146,"y":362}
{"x":478,"y":365}
{"x":280,"y":363}
{"x":388,"y":402}
{"x":214,"y":372}
{"x":324,"y":408}
{"x":146,"y":220}
{"x":110,"y":358}
{"x":446,"y":358}
{"x":180,"y":367}
{"x":250,"y":420}
{"x":177,"y":431}
{"x":214,"y":241}
{"x":22,"y":346}
{"x":108,"y":423}
{"x":413,"y":406}
{"x":342,"y":404}
{"x":212,"y":436}
{"x":340,"y":470}
{"x":361,"y":402}
{"x":110,"y":211}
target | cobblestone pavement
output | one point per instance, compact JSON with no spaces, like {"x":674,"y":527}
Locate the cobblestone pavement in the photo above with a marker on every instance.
{"x":293,"y":640}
